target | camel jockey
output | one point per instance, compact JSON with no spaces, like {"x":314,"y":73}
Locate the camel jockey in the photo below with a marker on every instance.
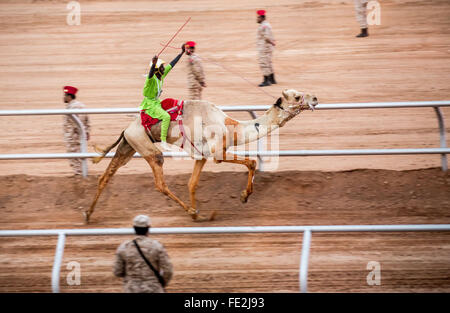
{"x":153,"y":89}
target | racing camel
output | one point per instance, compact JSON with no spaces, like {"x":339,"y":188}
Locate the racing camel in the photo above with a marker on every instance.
{"x":204,"y":131}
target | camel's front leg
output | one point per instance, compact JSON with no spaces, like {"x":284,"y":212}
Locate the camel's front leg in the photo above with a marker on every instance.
{"x":251,"y":165}
{"x":193,"y":182}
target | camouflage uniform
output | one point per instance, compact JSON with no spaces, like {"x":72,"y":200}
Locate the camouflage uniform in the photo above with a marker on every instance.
{"x":196,"y":77}
{"x":137,"y":275}
{"x":360,"y":8}
{"x":72,"y":135}
{"x":263,"y":38}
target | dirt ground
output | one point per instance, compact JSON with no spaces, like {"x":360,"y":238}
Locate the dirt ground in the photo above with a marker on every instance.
{"x":406,"y":58}
{"x":238,"y":263}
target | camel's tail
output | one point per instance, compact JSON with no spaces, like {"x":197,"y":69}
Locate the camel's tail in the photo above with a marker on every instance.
{"x":104,"y":151}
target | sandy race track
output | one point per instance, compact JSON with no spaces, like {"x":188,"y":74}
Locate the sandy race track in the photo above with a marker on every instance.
{"x":406,"y":58}
{"x":239,"y":263}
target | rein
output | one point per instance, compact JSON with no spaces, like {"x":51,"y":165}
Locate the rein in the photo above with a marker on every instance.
{"x":182,"y":131}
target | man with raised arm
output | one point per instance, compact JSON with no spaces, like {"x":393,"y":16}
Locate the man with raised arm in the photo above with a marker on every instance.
{"x":152,"y":91}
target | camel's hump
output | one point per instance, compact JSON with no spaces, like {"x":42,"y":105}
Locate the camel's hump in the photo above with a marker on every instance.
{"x":198,"y":103}
{"x":203,"y":104}
{"x":203,"y":108}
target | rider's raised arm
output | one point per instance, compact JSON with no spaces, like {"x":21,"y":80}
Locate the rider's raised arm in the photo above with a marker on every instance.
{"x":152,"y":69}
{"x":177,"y":58}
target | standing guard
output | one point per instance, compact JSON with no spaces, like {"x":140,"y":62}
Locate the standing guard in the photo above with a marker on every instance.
{"x":71,"y":132}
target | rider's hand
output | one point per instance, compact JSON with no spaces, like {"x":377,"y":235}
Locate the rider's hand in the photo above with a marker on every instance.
{"x":154,"y":60}
{"x":183,"y":48}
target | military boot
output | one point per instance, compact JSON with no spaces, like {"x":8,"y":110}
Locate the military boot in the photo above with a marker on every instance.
{"x":363,"y":33}
{"x":272,"y":79}
{"x":266,"y":82}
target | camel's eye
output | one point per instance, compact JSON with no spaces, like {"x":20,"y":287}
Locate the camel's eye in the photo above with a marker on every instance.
{"x":297,"y":98}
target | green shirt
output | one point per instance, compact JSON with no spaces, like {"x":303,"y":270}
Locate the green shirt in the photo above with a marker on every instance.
{"x":153,"y":86}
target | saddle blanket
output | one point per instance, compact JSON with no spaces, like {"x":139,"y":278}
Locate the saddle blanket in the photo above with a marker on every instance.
{"x":173,"y":106}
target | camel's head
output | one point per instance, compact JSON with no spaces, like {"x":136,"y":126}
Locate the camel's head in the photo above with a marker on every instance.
{"x":292,"y":102}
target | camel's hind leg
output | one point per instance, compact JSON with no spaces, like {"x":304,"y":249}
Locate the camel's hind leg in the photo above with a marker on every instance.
{"x":123,"y":154}
{"x":156,"y":162}
{"x":251,"y":165}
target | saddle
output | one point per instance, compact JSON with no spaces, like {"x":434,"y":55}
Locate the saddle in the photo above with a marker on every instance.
{"x":172,"y":106}
{"x":175,"y":109}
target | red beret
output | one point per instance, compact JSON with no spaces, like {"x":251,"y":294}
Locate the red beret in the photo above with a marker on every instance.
{"x":191,"y":43}
{"x":70,"y":89}
{"x":261,"y":12}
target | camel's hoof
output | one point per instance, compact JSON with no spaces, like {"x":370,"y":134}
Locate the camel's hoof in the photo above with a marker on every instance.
{"x":193,"y":212}
{"x":244,"y":196}
{"x":200,"y":218}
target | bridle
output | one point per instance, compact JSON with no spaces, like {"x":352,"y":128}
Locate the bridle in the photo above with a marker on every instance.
{"x":297,"y":108}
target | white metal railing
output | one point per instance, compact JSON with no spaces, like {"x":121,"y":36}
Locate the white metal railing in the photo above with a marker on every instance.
{"x":306,"y":230}
{"x":241,"y":153}
{"x":443,"y":150}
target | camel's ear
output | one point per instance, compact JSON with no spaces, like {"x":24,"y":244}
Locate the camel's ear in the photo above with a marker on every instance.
{"x":285,"y":94}
{"x":278,"y":103}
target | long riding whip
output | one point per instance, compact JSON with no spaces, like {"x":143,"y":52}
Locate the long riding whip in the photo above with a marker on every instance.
{"x":228,"y":70}
{"x":179,"y":30}
{"x":167,"y":44}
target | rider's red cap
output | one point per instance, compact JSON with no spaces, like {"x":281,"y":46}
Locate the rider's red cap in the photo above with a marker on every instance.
{"x":261,"y":12}
{"x":190,"y":44}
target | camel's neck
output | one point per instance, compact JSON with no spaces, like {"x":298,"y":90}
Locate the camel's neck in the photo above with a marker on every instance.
{"x":262,"y":126}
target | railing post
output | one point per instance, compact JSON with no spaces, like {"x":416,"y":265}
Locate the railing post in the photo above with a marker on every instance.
{"x":83,"y":143}
{"x":58,"y":261}
{"x":442,"y":137}
{"x":304,"y":261}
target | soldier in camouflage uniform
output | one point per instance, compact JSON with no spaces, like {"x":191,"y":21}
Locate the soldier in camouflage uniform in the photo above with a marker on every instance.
{"x":196,"y":76}
{"x":361,"y":17}
{"x":265,"y":43}
{"x":129,"y":264}
{"x":71,"y":132}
